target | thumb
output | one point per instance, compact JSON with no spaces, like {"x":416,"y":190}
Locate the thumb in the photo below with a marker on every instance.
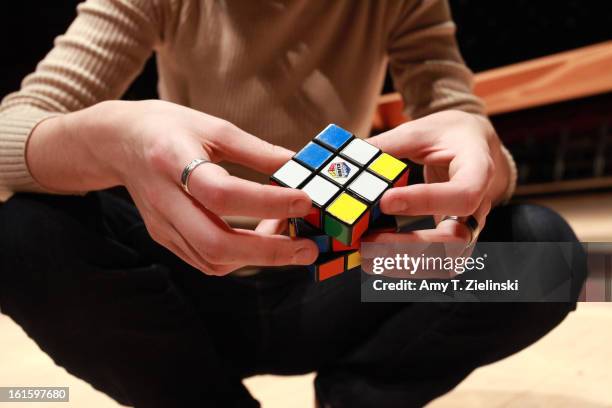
{"x":405,"y":141}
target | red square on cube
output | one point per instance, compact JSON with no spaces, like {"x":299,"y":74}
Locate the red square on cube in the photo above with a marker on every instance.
{"x":338,"y":246}
{"x":403,"y":180}
{"x":314,"y":217}
{"x":361,"y":227}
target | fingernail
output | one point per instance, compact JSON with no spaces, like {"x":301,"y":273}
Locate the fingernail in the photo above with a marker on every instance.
{"x":397,"y":206}
{"x":303,"y":256}
{"x":299,"y":207}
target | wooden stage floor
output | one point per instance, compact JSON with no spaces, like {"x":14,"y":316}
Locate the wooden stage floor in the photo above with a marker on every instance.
{"x":570,"y":368}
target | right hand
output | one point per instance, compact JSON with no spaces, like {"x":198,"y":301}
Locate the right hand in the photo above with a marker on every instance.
{"x":145,"y":146}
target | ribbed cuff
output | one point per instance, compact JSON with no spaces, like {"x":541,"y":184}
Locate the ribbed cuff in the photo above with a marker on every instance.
{"x":15,"y":129}
{"x":513,"y":175}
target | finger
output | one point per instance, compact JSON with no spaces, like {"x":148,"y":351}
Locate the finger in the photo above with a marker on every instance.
{"x":191,"y":256}
{"x":221,"y":246}
{"x":192,"y":227}
{"x":456,"y":231}
{"x":429,"y":140}
{"x":169,"y":236}
{"x":467,"y":234}
{"x":448,"y":231}
{"x":270,"y":250}
{"x":175,"y":245}
{"x":481,"y":218}
{"x":461,"y":195}
{"x":224,"y":194}
{"x":272,"y":227}
{"x":237,"y":146}
{"x":217,"y":190}
{"x":480,"y":214}
{"x":453,"y":235}
{"x":418,"y":236}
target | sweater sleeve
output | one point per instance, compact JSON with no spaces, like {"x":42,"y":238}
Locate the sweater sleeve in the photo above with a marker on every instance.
{"x":428,"y":69}
{"x":98,"y":57}
{"x":425,"y":61}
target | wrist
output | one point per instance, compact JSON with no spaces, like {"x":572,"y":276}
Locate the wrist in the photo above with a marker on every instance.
{"x":70,"y":153}
{"x":504,"y":182}
{"x":100,"y":131}
{"x":512,"y":177}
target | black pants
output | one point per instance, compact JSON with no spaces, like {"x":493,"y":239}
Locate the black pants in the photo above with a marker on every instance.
{"x":84,"y":279}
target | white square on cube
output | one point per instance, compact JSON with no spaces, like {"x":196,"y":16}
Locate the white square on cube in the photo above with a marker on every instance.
{"x":360,"y":151}
{"x":339,"y":170}
{"x":292,"y":174}
{"x":368,"y":186}
{"x":320,"y":190}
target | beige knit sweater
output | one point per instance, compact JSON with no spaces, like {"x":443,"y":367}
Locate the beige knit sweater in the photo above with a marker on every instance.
{"x":280,"y":69}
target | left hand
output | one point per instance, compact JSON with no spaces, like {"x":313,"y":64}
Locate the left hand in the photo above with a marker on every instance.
{"x":465,"y":174}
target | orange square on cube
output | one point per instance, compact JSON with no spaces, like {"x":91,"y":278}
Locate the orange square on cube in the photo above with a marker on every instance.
{"x":331,"y":268}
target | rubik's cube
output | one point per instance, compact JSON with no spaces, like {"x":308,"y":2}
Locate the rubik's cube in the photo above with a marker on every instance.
{"x":345,"y":177}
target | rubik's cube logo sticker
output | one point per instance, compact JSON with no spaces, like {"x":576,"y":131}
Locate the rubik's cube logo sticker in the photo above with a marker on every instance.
{"x":345,"y":177}
{"x":339,"y":170}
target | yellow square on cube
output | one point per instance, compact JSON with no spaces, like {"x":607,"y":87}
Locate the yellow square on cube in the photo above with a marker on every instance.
{"x":353,"y":260}
{"x":346,"y":208}
{"x":387,"y":166}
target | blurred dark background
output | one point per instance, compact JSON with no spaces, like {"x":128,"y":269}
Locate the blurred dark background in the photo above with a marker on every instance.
{"x":27,"y":31}
{"x":490,"y":33}
{"x":495,"y":33}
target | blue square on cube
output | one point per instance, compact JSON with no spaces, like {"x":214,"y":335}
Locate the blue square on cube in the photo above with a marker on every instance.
{"x":323,"y":242}
{"x":333,"y":137}
{"x":313,"y":155}
{"x":376,"y":211}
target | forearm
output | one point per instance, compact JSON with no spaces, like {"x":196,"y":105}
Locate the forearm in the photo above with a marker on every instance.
{"x":95,"y":60}
{"x":76,"y":152}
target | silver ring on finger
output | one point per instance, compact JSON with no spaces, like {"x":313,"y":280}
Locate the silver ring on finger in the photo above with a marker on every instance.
{"x":189,"y":168}
{"x":470,"y":222}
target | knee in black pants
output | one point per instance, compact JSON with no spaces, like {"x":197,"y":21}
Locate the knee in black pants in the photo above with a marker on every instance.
{"x":462,"y":337}
{"x":534,"y":223}
{"x":527,"y":322}
{"x":45,"y":240}
{"x":41,"y":234}
{"x":32,"y":240}
{"x":71,"y":278}
{"x":526,"y":223}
